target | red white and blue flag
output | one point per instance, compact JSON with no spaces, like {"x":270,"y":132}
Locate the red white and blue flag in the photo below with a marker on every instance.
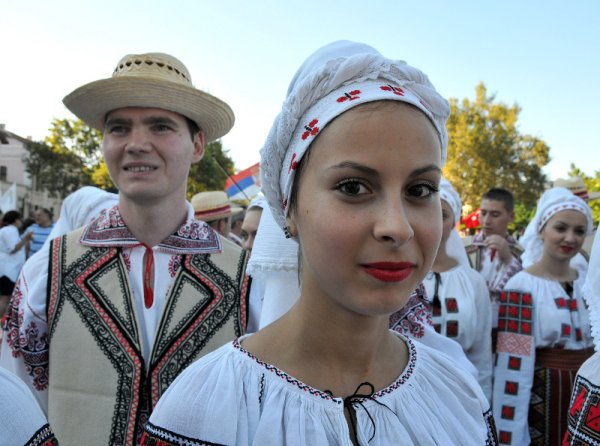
{"x":245,"y":184}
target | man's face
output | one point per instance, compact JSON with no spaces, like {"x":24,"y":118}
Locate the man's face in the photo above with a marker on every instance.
{"x":148,"y":152}
{"x":42,"y":219}
{"x":494,"y":217}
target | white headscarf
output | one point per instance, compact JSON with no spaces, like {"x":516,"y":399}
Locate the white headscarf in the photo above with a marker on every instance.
{"x":552,"y":201}
{"x":80,"y":208}
{"x":331,"y":81}
{"x":454,"y":245}
{"x":591,"y":291}
{"x":334,"y":79}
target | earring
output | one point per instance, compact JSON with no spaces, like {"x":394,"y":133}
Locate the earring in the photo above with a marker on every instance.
{"x":286,"y":231}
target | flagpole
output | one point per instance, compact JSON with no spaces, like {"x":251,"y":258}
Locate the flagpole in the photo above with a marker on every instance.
{"x":231,"y":178}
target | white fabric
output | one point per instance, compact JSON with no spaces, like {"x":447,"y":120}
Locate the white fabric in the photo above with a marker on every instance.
{"x":20,"y":414}
{"x":455,"y":247}
{"x":547,"y":322}
{"x":229,"y":397}
{"x":450,"y":196}
{"x":473,"y":315}
{"x":33,"y":284}
{"x":552,"y":201}
{"x":591,"y":292}
{"x":332,"y":80}
{"x":79,"y":208}
{"x":259,"y":201}
{"x":10,"y":264}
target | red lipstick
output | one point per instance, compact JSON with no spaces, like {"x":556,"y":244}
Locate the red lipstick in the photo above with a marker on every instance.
{"x":389,"y":271}
{"x":567,"y":249}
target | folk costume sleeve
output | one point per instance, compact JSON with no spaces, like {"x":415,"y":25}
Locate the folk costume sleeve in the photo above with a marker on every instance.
{"x":543,"y":337}
{"x":480,"y":353}
{"x":25,"y":332}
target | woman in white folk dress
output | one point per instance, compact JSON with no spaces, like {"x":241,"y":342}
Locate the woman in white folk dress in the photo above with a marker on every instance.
{"x":351,"y":170}
{"x":459,"y":298}
{"x":543,"y":325}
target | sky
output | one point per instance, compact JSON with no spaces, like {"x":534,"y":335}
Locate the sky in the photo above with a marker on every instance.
{"x":541,"y":55}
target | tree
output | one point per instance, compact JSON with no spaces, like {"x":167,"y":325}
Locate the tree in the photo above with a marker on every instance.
{"x":212,"y":171}
{"x":487,"y":150}
{"x":60,"y":173}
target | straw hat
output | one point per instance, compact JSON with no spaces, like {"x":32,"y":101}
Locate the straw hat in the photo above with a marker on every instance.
{"x":577,"y":187}
{"x":151,"y":80}
{"x":213,"y":205}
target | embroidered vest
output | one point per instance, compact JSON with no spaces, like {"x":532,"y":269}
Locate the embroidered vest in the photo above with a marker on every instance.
{"x":101,"y":391}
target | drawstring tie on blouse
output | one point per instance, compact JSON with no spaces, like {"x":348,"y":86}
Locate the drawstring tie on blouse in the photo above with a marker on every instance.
{"x":148,"y":270}
{"x":357,"y":398}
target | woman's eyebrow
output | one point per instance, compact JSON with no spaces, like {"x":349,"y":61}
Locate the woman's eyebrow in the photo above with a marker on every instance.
{"x":425,"y":169}
{"x":356,"y":166}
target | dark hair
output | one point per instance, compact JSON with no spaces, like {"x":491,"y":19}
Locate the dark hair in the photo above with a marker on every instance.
{"x":192,"y":127}
{"x":47,"y":212}
{"x":10,"y":217}
{"x":503,"y":195}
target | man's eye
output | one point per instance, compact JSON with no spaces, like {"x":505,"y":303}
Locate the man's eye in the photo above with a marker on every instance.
{"x":117,"y":129}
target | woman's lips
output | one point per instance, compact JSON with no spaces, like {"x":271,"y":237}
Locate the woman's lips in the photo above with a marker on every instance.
{"x":567,"y":249}
{"x":389,"y":271}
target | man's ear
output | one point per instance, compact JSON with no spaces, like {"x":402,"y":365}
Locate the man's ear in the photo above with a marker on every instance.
{"x":198,"y":147}
{"x":511,"y":216}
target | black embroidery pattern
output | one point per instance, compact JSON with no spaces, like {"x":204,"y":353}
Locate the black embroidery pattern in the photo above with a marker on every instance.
{"x":157,"y":436}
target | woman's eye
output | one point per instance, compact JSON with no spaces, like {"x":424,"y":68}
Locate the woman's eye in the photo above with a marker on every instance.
{"x":424,"y":190}
{"x":352,"y":187}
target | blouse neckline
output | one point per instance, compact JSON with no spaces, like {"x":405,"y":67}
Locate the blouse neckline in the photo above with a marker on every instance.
{"x":405,"y":375}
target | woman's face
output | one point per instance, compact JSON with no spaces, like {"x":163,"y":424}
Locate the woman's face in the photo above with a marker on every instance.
{"x":447,"y":221}
{"x":367,"y":216}
{"x":563,"y":234}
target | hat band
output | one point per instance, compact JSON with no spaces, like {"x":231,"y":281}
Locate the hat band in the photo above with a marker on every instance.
{"x":215,"y":211}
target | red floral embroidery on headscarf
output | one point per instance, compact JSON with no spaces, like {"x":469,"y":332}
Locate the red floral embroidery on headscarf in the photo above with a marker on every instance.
{"x":396,"y":90}
{"x":350,"y":96}
{"x":311,"y":129}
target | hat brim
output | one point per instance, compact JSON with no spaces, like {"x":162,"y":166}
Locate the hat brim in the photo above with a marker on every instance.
{"x":91,"y":102}
{"x":593,"y":195}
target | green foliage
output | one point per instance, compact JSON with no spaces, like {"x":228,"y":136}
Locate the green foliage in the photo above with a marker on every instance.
{"x":592,"y":184}
{"x":59,"y":172}
{"x":487,"y":150}
{"x":212,"y":170}
{"x":75,"y":136}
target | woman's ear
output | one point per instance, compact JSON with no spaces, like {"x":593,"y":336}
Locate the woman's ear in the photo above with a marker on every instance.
{"x":290,"y":225}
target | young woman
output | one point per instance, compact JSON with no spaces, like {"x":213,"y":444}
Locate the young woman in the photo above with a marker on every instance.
{"x":458,"y":296}
{"x":543,"y":326}
{"x":351,"y":170}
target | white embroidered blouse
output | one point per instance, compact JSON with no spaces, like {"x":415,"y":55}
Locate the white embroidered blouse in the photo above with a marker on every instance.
{"x":465,"y":315}
{"x":534,"y":312}
{"x":231,"y":397}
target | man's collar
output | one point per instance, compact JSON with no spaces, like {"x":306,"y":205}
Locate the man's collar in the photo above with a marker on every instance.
{"x":193,"y":237}
{"x":478,"y":238}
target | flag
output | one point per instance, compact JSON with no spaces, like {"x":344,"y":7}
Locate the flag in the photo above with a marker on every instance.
{"x":245,"y":184}
{"x":8,"y":201}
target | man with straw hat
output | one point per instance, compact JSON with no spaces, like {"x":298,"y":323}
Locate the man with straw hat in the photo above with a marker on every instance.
{"x":214,"y":208}
{"x":129,"y":300}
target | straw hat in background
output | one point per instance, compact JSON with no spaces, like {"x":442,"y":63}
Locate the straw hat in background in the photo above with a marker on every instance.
{"x":577,"y":187}
{"x":213,"y":205}
{"x":155,"y":80}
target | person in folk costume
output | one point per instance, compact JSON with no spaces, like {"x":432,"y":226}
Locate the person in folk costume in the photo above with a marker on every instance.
{"x":129,"y":300}
{"x":351,"y":170}
{"x":458,"y":296}
{"x":543,"y":325}
{"x":493,"y":252}
{"x":584,"y":409}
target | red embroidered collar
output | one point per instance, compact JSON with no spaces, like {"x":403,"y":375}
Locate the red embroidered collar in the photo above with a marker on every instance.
{"x":109,"y":230}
